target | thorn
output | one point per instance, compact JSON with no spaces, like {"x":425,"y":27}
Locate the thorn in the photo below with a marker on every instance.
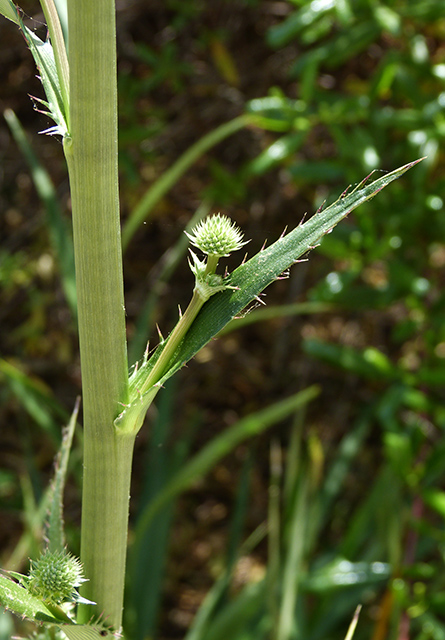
{"x":301,"y":260}
{"x":343,"y":194}
{"x":146,"y":352}
{"x":245,"y":258}
{"x":284,"y":275}
{"x":365,"y":180}
{"x":283,"y":234}
{"x":180,"y":311}
{"x":264,"y":245}
{"x":302,"y":219}
{"x":320,"y":208}
{"x":161,"y":337}
{"x":259,"y":300}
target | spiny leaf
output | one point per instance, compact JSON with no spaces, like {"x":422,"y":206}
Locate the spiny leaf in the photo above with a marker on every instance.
{"x":252,"y":277}
{"x":43,"y":55}
{"x":18,"y":599}
{"x":55,"y":532}
{"x":133,"y":415}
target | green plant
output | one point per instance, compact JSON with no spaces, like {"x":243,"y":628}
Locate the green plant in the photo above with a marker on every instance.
{"x":84,"y":109}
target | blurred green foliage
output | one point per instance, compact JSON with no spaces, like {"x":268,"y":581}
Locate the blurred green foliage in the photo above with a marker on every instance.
{"x":356,"y":491}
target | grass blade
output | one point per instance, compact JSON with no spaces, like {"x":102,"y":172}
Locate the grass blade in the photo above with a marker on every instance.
{"x":219,"y":447}
{"x":36,"y":399}
{"x":292,"y":564}
{"x":353,"y":624}
{"x":172,"y":175}
{"x":58,"y":225}
{"x":277,"y":311}
{"x":146,"y":572}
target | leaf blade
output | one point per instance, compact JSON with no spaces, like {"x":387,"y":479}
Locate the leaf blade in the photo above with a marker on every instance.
{"x":9,"y":11}
{"x":255,"y":275}
{"x":206,"y":458}
{"x":16,"y":598}
{"x":55,"y":526}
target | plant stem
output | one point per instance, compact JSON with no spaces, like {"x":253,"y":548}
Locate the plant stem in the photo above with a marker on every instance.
{"x":174,"y":339}
{"x":183,"y":325}
{"x":92,"y":162}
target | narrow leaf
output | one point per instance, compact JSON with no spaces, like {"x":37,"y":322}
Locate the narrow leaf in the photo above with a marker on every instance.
{"x":55,"y":528}
{"x":59,"y":226}
{"x":59,"y":50}
{"x":342,"y":573}
{"x":278,"y":311}
{"x":8,"y":9}
{"x":251,"y":278}
{"x":35,"y":398}
{"x":205,"y":459}
{"x":43,"y":55}
{"x":353,"y":624}
{"x":174,"y":173}
{"x":369,"y":363}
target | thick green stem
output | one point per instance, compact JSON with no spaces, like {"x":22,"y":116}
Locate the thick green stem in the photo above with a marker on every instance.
{"x":106,"y":491}
{"x":92,"y":161}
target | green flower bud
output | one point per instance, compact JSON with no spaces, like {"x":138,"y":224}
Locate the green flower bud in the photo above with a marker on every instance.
{"x":55,"y":576}
{"x":217,"y":235}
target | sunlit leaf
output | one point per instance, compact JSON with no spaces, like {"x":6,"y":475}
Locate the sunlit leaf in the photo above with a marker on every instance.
{"x":252,"y":277}
{"x":18,"y":599}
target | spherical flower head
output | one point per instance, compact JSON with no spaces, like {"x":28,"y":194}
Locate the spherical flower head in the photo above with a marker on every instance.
{"x":55,"y":576}
{"x":217,"y":235}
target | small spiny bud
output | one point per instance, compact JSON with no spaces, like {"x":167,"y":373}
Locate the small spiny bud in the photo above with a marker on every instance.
{"x":55,"y":576}
{"x":217,"y":235}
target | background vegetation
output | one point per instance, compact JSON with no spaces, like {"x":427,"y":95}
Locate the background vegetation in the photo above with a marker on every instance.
{"x":343,"y":88}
